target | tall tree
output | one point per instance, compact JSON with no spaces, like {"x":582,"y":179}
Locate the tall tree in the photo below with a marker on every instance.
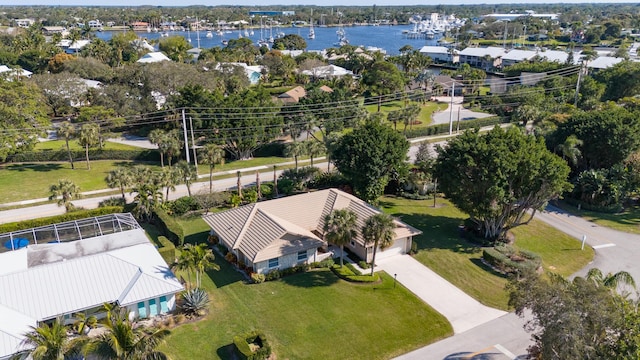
{"x":67,"y":131}
{"x":369,"y":157}
{"x":64,"y":191}
{"x":146,"y":199}
{"x":340,"y":228}
{"x":294,"y":150}
{"x":156,"y":137}
{"x":169,"y":178}
{"x":382,"y":78}
{"x":498,"y":177}
{"x":175,"y":47}
{"x":202,"y":258}
{"x":379,"y":231}
{"x":88,"y":137}
{"x":50,"y":342}
{"x":314,"y":148}
{"x":212,"y":155}
{"x":120,"y":178}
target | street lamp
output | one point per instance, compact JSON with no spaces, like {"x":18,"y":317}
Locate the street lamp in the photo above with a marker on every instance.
{"x":395,"y":276}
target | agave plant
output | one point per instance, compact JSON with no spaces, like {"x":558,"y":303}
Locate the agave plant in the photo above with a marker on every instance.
{"x":194,"y":302}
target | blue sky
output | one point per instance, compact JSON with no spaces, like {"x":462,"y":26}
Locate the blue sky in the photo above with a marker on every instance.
{"x":285,"y":2}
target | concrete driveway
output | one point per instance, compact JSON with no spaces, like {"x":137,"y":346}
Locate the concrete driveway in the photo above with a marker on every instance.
{"x":455,"y":112}
{"x":462,"y":311}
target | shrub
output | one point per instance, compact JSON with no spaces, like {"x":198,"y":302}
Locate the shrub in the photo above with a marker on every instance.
{"x":94,"y":154}
{"x":444,"y":128}
{"x":170,"y":227}
{"x":300,"y":177}
{"x":285,"y":186}
{"x":353,"y":269}
{"x":511,"y":261}
{"x":194,"y":302}
{"x":166,"y":249}
{"x":223,"y":250}
{"x":182,"y":205}
{"x":258,"y":278}
{"x":363,"y":264}
{"x":252,"y":346}
{"x":76,"y":215}
{"x":273,"y":275}
{"x":325,"y":180}
{"x":230,"y":257}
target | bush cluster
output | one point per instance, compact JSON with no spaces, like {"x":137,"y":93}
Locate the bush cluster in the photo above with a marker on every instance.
{"x":243,"y":344}
{"x":277,"y":274}
{"x":349,"y":273}
{"x":181,"y":206}
{"x":170,"y":227}
{"x":326,"y":263}
{"x":608,"y":209}
{"x":511,"y":261}
{"x":76,"y":215}
{"x":258,"y":278}
{"x":363,"y":264}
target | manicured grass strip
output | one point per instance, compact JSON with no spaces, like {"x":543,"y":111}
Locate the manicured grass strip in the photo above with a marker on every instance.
{"x":32,"y":180}
{"x":313,"y":315}
{"x":425,"y":112}
{"x":443,"y":250}
{"x":54,"y":145}
{"x":627,"y":220}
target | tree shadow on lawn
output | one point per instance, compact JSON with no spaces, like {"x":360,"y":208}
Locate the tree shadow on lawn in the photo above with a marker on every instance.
{"x":227,"y":274}
{"x":483,"y":266}
{"x":196,"y":238}
{"x":34,"y":167}
{"x":311,"y":279}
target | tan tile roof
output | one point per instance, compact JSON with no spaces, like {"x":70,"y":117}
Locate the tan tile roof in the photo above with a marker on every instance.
{"x":276,"y":227}
{"x":294,"y":94}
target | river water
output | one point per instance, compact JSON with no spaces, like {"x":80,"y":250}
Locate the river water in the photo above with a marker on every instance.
{"x":389,"y":38}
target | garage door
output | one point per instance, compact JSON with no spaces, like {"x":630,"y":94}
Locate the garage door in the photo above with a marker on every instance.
{"x":395,"y":249}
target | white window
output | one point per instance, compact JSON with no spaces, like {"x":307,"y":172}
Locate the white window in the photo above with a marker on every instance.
{"x":273,"y":263}
{"x":302,"y":255}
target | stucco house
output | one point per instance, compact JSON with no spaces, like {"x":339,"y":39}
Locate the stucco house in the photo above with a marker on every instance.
{"x":288,"y":231}
{"x":60,"y":270}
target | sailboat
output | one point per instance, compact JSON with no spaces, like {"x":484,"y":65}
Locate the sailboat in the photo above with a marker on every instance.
{"x":312,"y":33}
{"x":342,"y":35}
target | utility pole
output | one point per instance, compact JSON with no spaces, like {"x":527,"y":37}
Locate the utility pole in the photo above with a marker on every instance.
{"x":575,"y":100}
{"x":453,"y":90}
{"x":186,"y":137}
{"x":193,"y":145}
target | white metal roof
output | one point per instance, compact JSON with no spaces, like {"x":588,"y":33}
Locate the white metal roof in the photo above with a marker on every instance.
{"x":435,"y":50}
{"x":604,"y":62}
{"x":519,"y":55}
{"x":153,"y":57}
{"x":494,"y":52}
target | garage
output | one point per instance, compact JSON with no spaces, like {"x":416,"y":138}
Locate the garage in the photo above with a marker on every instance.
{"x":397,"y":248}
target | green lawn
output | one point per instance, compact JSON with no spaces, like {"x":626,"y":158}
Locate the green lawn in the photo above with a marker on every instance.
{"x":313,"y":315}
{"x":445,"y":252}
{"x":54,"y":145}
{"x":628,"y":220}
{"x":32,"y":180}
{"x":240,"y":164}
{"x":425,"y":112}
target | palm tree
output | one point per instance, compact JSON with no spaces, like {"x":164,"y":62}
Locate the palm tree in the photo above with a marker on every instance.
{"x":314,"y":148}
{"x":378,"y":230}
{"x":124,"y":341}
{"x":89,"y":137}
{"x":187,"y":173}
{"x":340,"y":228}
{"x":156,"y":137}
{"x":64,"y":191}
{"x":294,"y":150}
{"x":610,"y":280}
{"x":212,"y":155}
{"x":49,"y":342}
{"x":169,"y":178}
{"x":171,"y":145}
{"x":202,"y":258}
{"x":147,"y":198}
{"x":570,"y":150}
{"x":67,"y":131}
{"x":185,"y":263}
{"x":119,"y":177}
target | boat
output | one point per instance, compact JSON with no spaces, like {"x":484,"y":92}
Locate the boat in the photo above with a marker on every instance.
{"x":209,"y":35}
{"x":164,"y":34}
{"x":246,"y":33}
{"x":225,"y":42}
{"x":312,"y":33}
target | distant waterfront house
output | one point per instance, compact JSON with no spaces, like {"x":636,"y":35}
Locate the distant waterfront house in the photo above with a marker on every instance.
{"x":285,"y":232}
{"x":328,"y":72}
{"x":24,"y":23}
{"x":10,"y":74}
{"x":440,"y":54}
{"x":50,"y":30}
{"x":139,"y":26}
{"x":153,"y":57}
{"x":254,"y":73}
{"x":603,"y":62}
{"x":61,"y":270}
{"x":482,"y":57}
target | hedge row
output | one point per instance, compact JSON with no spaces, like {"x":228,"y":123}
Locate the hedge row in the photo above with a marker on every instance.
{"x":444,"y":128}
{"x":170,"y":227}
{"x":79,"y":155}
{"x":75,"y":215}
{"x":167,"y":250}
{"x":243,"y":349}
